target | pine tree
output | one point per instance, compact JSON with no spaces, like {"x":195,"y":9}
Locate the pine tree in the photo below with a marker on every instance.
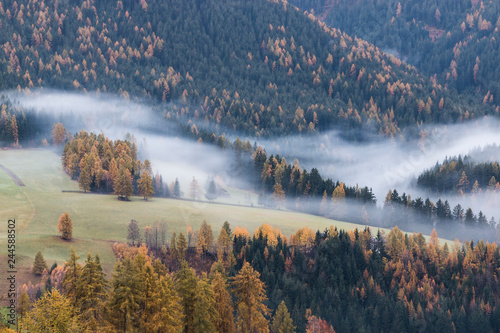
{"x":205,"y":238}
{"x":145,"y":185}
{"x":15,"y":132}
{"x":85,"y":179}
{"x":91,"y":294}
{"x":39,"y":265}
{"x":58,"y":134}
{"x":72,"y":274}
{"x":51,"y":313}
{"x":125,"y":296}
{"x":182,"y":246}
{"x":186,"y":284}
{"x":223,"y":304}
{"x":177,"y":189}
{"x":211,"y":193}
{"x":123,"y":183}
{"x":160,"y":310}
{"x":65,"y":226}
{"x":250,"y":295}
{"x":205,"y":314}
{"x":282,"y":323}
{"x":134,"y":233}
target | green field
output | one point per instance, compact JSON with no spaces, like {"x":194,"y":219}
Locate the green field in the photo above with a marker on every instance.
{"x":101,"y":220}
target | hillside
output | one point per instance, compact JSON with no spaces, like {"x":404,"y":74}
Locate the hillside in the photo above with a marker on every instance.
{"x":456,"y":40}
{"x":38,"y":205}
{"x":274,"y":71}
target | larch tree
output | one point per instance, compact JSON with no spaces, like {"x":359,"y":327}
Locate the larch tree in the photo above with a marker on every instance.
{"x":182,"y":246}
{"x":186,"y":285}
{"x":205,"y":238}
{"x":205,"y":314}
{"x":282,"y":322}
{"x":72,"y":273}
{"x":39,"y":265}
{"x":123,"y":183}
{"x":91,"y":294}
{"x":125,"y":296}
{"x":145,"y":185}
{"x":194,"y":189}
{"x":15,"y":131}
{"x":65,"y":226}
{"x":134,"y":233}
{"x":250,"y":293}
{"x":51,"y":313}
{"x":223,"y":304}
{"x":58,"y":134}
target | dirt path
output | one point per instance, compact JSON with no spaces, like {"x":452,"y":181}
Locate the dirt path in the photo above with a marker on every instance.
{"x":12,"y":175}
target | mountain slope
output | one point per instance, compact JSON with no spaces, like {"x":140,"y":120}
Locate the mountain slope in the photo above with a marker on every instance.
{"x":261,"y":67}
{"x":457,"y":40}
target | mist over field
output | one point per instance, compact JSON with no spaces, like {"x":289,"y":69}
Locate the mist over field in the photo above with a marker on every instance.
{"x":380,"y":164}
{"x":156,"y":139}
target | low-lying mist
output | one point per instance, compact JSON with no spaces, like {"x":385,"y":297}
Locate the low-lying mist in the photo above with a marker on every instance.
{"x":380,"y":164}
{"x":157,"y":140}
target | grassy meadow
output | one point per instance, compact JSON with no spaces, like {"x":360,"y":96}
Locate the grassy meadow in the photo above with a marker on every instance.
{"x":101,"y":220}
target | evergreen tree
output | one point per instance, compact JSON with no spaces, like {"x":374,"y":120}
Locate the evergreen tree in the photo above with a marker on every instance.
{"x":282,"y":323}
{"x":39,"y":265}
{"x":205,"y":238}
{"x":123,"y":183}
{"x":211,"y":193}
{"x":250,"y":295}
{"x":177,"y":189}
{"x":65,"y":226}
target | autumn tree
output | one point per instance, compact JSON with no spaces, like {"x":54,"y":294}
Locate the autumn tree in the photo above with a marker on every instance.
{"x":182,"y":246}
{"x":205,"y":313}
{"x":186,"y":284}
{"x":125,"y":296}
{"x":39,"y":265}
{"x":134,"y":233}
{"x":205,"y":238}
{"x":123,"y":183}
{"x":145,"y":185}
{"x":250,"y":293}
{"x":51,"y":313}
{"x":72,"y":273}
{"x":223,"y":304}
{"x":65,"y":226}
{"x":282,"y":322}
{"x":91,"y":294}
{"x":194,"y":189}
{"x":58,"y":134}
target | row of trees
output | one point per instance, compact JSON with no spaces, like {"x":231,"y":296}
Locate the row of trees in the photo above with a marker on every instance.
{"x":462,"y":176}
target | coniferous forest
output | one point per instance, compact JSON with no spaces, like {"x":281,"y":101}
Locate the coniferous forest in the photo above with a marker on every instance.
{"x":293,"y":99}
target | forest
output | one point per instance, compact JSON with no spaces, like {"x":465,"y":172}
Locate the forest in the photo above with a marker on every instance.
{"x":313,"y":281}
{"x":277,"y":71}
